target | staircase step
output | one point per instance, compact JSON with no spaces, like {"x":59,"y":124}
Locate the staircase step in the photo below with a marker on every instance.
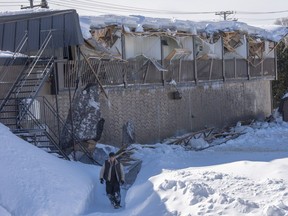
{"x":47,"y":145}
{"x":32,"y":79}
{"x":28,"y":130}
{"x":9,"y":105}
{"x":9,"y":111}
{"x":27,"y":85}
{"x":23,"y":92}
{"x":10,"y":124}
{"x":8,"y":117}
{"x":54,"y":151}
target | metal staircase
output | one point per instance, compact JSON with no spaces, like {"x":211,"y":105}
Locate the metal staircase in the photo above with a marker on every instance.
{"x":19,"y":110}
{"x":32,"y":117}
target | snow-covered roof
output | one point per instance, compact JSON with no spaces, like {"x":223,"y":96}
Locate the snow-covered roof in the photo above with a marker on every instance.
{"x":23,"y":11}
{"x":140,"y":24}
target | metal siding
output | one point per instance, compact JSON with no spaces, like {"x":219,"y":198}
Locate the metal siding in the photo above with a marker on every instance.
{"x":33,"y":34}
{"x":187,"y":43}
{"x":138,"y":45}
{"x":58,"y":34}
{"x":12,"y":29}
{"x":1,"y":36}
{"x":68,"y":20}
{"x":75,"y":30}
{"x":9,"y":36}
{"x":20,"y":32}
{"x":46,"y":24}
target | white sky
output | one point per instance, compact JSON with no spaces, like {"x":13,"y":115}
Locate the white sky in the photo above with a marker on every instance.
{"x":88,"y":7}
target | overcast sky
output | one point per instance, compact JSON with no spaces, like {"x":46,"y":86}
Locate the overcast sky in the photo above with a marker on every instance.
{"x":262,"y":11}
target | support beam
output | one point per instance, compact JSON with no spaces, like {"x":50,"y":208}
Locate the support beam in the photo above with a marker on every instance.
{"x":92,"y":69}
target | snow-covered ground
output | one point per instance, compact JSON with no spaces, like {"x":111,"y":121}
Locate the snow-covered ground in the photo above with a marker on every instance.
{"x":245,"y":176}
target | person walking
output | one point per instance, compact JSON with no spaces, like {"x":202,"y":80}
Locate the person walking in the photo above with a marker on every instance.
{"x":113,"y":173}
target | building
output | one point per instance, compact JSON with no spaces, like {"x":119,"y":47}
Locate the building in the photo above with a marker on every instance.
{"x":136,"y":79}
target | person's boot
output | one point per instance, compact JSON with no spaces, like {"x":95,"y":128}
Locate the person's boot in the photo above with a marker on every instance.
{"x":112,"y":200}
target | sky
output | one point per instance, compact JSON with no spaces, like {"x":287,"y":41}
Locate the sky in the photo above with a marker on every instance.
{"x":260,"y":12}
{"x":243,"y":176}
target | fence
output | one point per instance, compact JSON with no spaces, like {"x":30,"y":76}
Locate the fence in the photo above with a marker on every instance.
{"x":144,"y":71}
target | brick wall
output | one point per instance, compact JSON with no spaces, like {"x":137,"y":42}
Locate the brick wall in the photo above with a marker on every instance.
{"x":156,"y":116}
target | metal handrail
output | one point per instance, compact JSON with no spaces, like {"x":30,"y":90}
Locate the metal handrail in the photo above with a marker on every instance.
{"x":23,"y":73}
{"x":51,"y":139}
{"x":64,"y":126}
{"x":50,"y":64}
{"x":17,"y":51}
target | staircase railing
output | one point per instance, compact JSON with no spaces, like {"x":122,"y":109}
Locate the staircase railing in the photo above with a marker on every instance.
{"x":44,"y":127}
{"x":23,"y":93}
{"x":61,"y":125}
{"x":22,"y":77}
{"x":52,"y":123}
{"x":13,"y":57}
{"x":37,"y":86}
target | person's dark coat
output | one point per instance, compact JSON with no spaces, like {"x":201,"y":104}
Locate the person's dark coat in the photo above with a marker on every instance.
{"x":106,"y":170}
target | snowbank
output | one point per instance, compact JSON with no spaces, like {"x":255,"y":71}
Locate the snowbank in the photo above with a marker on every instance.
{"x":245,"y":176}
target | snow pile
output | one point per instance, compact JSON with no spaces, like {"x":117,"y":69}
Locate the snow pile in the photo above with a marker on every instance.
{"x":36,"y":183}
{"x":245,"y":176}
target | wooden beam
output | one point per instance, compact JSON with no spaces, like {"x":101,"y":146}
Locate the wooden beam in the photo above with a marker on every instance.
{"x":100,"y":84}
{"x":210,"y":69}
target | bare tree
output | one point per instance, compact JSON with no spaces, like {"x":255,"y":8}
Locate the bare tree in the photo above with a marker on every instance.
{"x":282,"y":21}
{"x":280,"y":86}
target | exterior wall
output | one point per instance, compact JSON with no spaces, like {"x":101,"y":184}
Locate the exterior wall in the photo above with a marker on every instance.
{"x":148,"y":46}
{"x":8,"y":78}
{"x":156,"y":116}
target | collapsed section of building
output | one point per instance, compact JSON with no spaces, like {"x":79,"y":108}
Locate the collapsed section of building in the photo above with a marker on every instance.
{"x":169,"y":77}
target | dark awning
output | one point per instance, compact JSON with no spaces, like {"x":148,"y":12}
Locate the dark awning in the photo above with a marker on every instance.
{"x":64,"y":25}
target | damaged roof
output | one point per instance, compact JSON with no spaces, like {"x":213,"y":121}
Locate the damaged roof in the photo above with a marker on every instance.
{"x":141,"y":24}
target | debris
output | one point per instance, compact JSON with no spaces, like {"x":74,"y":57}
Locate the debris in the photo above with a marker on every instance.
{"x":208,"y":135}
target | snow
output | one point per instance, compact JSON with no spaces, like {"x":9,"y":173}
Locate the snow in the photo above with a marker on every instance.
{"x":244,"y":176}
{"x":23,"y":11}
{"x":10,"y":54}
{"x":268,"y":32}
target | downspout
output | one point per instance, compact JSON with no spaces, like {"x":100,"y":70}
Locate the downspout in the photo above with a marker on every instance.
{"x":195,"y":58}
{"x":223,"y":60}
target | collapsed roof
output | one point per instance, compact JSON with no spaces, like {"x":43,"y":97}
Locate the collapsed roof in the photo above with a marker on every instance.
{"x":141,"y":24}
{"x":103,"y":33}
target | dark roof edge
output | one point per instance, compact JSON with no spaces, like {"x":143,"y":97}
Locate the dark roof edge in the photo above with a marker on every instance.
{"x":32,"y":15}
